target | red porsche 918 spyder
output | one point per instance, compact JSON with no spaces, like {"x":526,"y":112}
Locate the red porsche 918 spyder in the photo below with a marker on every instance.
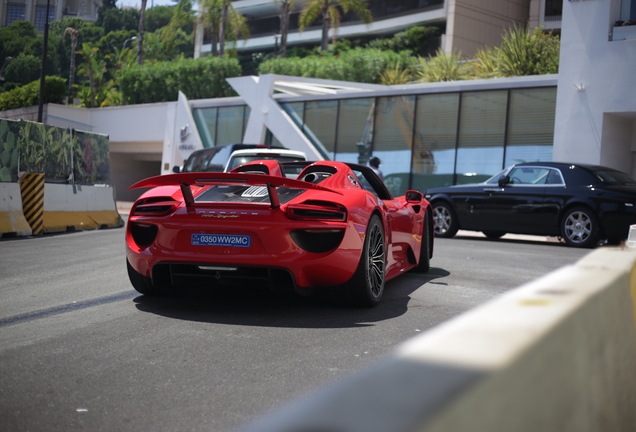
{"x":334,"y":225}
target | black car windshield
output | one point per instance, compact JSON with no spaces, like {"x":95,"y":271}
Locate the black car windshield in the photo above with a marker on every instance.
{"x":494,"y":179}
{"x":613,"y":177}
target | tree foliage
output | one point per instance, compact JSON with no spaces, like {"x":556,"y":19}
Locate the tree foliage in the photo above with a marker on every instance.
{"x":23,"y":69}
{"x":19,"y":37}
{"x":161,"y":81}
{"x":224,"y":24}
{"x":328,"y":12}
{"x":106,"y":73}
{"x":117,"y":19}
{"x":29,"y":95}
{"x":524,"y":52}
{"x":158,"y":17}
{"x":417,"y":40}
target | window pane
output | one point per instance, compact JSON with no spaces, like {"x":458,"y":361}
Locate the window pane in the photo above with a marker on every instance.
{"x":15,"y":12}
{"x":481,"y":135}
{"x":435,"y":141}
{"x":271,"y":140}
{"x":295,"y":111}
{"x":230,"y":125}
{"x":355,"y":130}
{"x":205,"y":119}
{"x":320,"y":124}
{"x":530,"y":125}
{"x":40,"y":16}
{"x":529,"y":175}
{"x":393,"y":140}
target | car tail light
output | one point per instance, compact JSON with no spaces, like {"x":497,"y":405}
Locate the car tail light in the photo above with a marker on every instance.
{"x":317,"y":211}
{"x":155,"y":206}
{"x":318,"y":240}
{"x":143,"y":234}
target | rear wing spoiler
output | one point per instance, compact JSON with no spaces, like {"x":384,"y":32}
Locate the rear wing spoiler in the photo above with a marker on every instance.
{"x":186,"y":180}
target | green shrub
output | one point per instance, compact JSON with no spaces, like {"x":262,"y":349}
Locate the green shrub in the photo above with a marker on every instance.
{"x":23,"y":69}
{"x":357,"y":65}
{"x":161,"y":81}
{"x":29,"y":95}
{"x":417,"y":40}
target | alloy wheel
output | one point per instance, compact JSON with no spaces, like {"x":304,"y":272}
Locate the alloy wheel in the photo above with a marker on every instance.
{"x":443,"y":219}
{"x":376,"y":261}
{"x":578,"y":227}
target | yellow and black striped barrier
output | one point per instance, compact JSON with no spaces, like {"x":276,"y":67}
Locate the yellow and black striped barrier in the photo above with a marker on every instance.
{"x":32,"y":191}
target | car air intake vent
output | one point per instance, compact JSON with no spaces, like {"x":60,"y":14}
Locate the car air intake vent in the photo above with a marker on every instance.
{"x":157,"y":199}
{"x":318,"y":240}
{"x":154,"y":206}
{"x":317,"y":210}
{"x":143,"y":234}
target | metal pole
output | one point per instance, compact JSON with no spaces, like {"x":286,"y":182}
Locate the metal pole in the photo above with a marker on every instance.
{"x":43,"y":71}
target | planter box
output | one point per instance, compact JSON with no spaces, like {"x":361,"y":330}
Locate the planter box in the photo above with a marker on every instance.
{"x":624,"y":32}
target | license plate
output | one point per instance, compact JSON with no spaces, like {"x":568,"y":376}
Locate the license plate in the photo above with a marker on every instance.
{"x":221,"y":240}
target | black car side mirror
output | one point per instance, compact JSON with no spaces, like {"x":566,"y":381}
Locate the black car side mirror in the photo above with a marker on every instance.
{"x":176,"y":169}
{"x":503,"y":180}
{"x":413,"y":196}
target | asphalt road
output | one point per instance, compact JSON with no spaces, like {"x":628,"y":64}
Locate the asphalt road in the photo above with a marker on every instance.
{"x":80,"y":350}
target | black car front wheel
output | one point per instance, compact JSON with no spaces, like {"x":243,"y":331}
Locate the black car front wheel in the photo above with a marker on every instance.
{"x":367,"y":284}
{"x":446,"y":224}
{"x":580,"y":228}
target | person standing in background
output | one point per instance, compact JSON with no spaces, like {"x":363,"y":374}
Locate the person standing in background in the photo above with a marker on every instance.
{"x":375,"y":163}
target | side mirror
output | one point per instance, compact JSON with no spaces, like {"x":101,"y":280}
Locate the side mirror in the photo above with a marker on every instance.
{"x":413,"y":196}
{"x":176,"y":169}
{"x":503,"y":180}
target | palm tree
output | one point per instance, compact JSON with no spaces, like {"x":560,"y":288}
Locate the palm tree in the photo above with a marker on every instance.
{"x":284,"y":10}
{"x":224,"y":13}
{"x":140,"y":32}
{"x":182,"y":16}
{"x":329,"y":11}
{"x":94,"y":69}
{"x":71,"y":79}
{"x":226,"y":24}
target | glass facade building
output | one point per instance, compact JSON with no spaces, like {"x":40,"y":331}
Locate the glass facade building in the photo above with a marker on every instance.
{"x":424,"y":140}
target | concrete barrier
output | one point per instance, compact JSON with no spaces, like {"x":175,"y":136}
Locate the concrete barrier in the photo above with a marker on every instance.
{"x":557,"y":354}
{"x":76,"y":207}
{"x":12,"y":221}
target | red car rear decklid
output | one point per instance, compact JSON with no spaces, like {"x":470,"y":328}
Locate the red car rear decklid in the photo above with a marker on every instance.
{"x":185,"y":180}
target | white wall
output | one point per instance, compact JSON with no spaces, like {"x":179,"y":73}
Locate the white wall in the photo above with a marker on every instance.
{"x":596,"y":76}
{"x":617,"y":138}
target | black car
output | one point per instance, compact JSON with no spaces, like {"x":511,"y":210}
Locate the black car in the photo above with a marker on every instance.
{"x":583,"y":204}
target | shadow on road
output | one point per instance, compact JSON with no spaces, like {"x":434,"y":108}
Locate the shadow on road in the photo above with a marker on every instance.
{"x":256,"y":306}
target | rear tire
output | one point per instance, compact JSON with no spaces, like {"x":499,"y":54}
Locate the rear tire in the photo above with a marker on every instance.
{"x":446,"y":224}
{"x":141,"y":283}
{"x":366,"y":286}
